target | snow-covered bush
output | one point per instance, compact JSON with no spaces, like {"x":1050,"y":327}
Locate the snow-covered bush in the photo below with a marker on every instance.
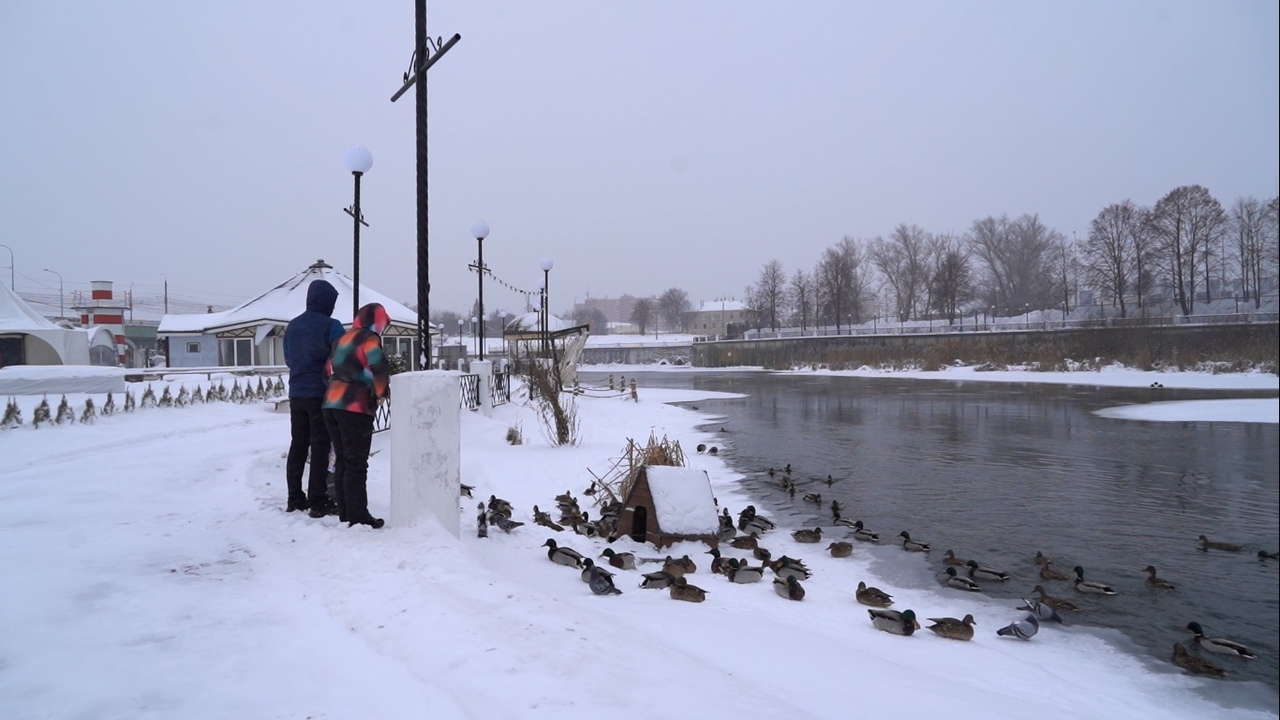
{"x":184,"y":397}
{"x":237,"y":395}
{"x":65,"y":413}
{"x":90,"y":412}
{"x":129,"y":403}
{"x":109,"y":407}
{"x":166,"y":399}
{"x":12,"y":415}
{"x":42,"y":413}
{"x":148,"y":398}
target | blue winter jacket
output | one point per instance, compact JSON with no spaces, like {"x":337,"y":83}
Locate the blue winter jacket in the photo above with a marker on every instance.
{"x":308,"y":339}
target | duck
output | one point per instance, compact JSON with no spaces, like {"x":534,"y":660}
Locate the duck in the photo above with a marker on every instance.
{"x":788,"y":587}
{"x":1091,"y":586}
{"x":762,"y":554}
{"x":808,"y":536}
{"x":873,"y":596}
{"x":982,"y":572}
{"x":1221,"y":646}
{"x":1054,"y":602}
{"x":543,"y":518}
{"x":759,"y":526}
{"x":743,"y":574}
{"x":912,"y":545}
{"x":687,"y":564}
{"x":745,"y":516}
{"x":784,"y":566}
{"x":657,"y":580}
{"x":892,"y":621}
{"x":1023,"y":629}
{"x":1041,"y":610}
{"x":713,"y":450}
{"x":1048,"y":573}
{"x":863,"y":534}
{"x":719,"y":565}
{"x":585,"y":528}
{"x":498,"y":505}
{"x":787,"y":469}
{"x":1264,"y":556}
{"x":953,"y":629}
{"x":961,"y":582}
{"x":836,"y":509}
{"x":1195,"y":665}
{"x":813,"y":497}
{"x":830,"y":481}
{"x":673,"y":567}
{"x":745,"y":542}
{"x":1206,"y":545}
{"x":702,"y":447}
{"x":1155,"y":582}
{"x":1040,"y":558}
{"x":465,"y":490}
{"x":840,"y":549}
{"x":682,"y":590}
{"x":601,"y":582}
{"x":842,"y":520}
{"x":620,"y":560}
{"x":950,"y":558}
{"x":563,"y":555}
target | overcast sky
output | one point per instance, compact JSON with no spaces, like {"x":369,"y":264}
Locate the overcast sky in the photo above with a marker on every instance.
{"x":640,"y":146}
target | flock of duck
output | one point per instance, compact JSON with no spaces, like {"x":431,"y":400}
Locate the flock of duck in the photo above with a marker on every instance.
{"x":787,"y":574}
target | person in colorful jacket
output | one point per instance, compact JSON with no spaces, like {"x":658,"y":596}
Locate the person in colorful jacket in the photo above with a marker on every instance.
{"x":359,"y":377}
{"x":307,"y":342}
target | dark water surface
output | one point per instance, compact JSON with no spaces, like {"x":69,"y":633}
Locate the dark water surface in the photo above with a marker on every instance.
{"x":998,"y":471}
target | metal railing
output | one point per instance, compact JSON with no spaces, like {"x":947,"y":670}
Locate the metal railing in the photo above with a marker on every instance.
{"x":382,"y":416}
{"x":470,"y":392}
{"x":468,"y":397}
{"x":501,"y":388}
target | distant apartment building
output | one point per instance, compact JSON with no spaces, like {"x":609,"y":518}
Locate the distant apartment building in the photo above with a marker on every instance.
{"x":722,"y":318}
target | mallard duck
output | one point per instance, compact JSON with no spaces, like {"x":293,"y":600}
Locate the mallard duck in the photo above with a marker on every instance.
{"x":762,"y":554}
{"x":1040,"y":610}
{"x":1206,"y":545}
{"x":601,"y":583}
{"x":953,"y":629}
{"x":620,"y":560}
{"x":497,"y":504}
{"x":1155,"y":582}
{"x":982,"y":572}
{"x":836,"y":509}
{"x":588,"y":565}
{"x":742,"y":573}
{"x":1221,"y":646}
{"x":950,"y":558}
{"x":1263,"y":555}
{"x":682,"y":590}
{"x":563,"y":555}
{"x":1048,"y":573}
{"x":759,"y":525}
{"x":892,"y":621}
{"x":808,"y":536}
{"x":543,"y":518}
{"x":813,"y":497}
{"x":719,"y":565}
{"x":785,"y":566}
{"x":1040,"y":558}
{"x":830,"y":481}
{"x":840,"y":549}
{"x":912,"y":545}
{"x":745,"y":542}
{"x":673,"y":567}
{"x":788,"y":587}
{"x":787,"y":469}
{"x":1056,"y":603}
{"x":1023,"y":629}
{"x":1195,"y":665}
{"x":873,"y":596}
{"x":961,"y":582}
{"x":745,"y":516}
{"x":1091,"y":586}
{"x":863,"y":534}
{"x":845,"y":522}
{"x":657,"y":580}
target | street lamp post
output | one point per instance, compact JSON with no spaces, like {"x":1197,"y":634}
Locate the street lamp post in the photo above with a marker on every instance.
{"x":480,"y":230}
{"x":11,"y":285}
{"x":460,"y":321}
{"x":475,"y":323}
{"x":546,"y":266}
{"x":358,"y":160}
{"x":55,"y":272}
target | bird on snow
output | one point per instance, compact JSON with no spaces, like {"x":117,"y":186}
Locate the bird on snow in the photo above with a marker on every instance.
{"x":808,"y":536}
{"x":702,"y":447}
{"x":742,"y":573}
{"x":1195,"y":665}
{"x":621,"y":560}
{"x":563,"y":555}
{"x":464,"y":489}
{"x":840,"y":549}
{"x":657,"y":580}
{"x":1023,"y":629}
{"x":953,"y":629}
{"x":1040,"y":610}
{"x":543,"y":518}
{"x":504,"y":522}
{"x":601,"y":584}
{"x":873,"y":596}
{"x":788,"y":588}
{"x":892,"y":621}
{"x":482,"y":523}
{"x":1221,"y":646}
{"x":682,"y":590}
{"x":589,"y":565}
{"x":863,"y":534}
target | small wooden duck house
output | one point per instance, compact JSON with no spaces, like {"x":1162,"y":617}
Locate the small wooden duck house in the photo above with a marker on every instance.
{"x":669,"y":504}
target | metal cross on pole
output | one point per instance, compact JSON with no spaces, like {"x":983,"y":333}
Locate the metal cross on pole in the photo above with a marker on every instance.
{"x":420,"y":63}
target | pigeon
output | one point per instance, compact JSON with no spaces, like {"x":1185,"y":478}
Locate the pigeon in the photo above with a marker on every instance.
{"x":504,"y":522}
{"x":602,"y":584}
{"x":1023,"y":629}
{"x":482,"y":523}
{"x":464,"y":489}
{"x":1040,"y":610}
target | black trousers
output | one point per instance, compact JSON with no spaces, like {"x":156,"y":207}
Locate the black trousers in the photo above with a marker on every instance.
{"x":309,"y":436}
{"x":352,"y":435}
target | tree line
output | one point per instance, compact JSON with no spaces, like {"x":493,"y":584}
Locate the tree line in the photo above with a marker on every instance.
{"x":1186,"y":248}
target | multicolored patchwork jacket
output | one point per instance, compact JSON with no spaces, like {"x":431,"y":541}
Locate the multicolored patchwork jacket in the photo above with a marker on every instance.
{"x":357,"y":369}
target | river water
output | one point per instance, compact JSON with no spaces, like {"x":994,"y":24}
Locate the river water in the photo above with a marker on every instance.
{"x":999,"y":471}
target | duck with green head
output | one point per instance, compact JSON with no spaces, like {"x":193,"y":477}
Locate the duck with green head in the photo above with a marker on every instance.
{"x":892,"y":621}
{"x":1219,"y":645}
{"x":1091,"y":586}
{"x":982,"y":572}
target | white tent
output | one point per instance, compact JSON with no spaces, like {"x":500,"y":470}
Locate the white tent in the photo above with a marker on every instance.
{"x":27,"y":338}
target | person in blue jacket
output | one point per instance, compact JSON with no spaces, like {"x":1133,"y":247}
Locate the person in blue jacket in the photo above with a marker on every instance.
{"x":307,"y":343}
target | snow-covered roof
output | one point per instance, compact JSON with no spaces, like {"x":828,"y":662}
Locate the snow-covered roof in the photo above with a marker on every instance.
{"x":532,"y":322}
{"x":721,"y":305}
{"x":682,"y":500}
{"x":16,"y":314}
{"x":286,"y":301}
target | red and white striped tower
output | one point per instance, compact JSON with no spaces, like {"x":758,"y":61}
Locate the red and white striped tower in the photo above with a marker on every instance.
{"x":103,"y":309}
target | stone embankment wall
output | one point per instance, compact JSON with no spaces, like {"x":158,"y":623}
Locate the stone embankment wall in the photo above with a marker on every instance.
{"x":1236,"y":347}
{"x":675,"y":354}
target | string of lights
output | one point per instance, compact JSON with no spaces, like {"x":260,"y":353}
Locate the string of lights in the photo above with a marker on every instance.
{"x":507,"y":285}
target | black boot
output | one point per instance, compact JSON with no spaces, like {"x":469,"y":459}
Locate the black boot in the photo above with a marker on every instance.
{"x":323,"y":507}
{"x":297,"y":502}
{"x":371,"y":521}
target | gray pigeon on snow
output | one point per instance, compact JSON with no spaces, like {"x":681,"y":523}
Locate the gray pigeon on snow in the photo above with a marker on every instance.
{"x":1023,"y":629}
{"x":602,"y":584}
{"x":482,"y":523}
{"x":1040,"y":610}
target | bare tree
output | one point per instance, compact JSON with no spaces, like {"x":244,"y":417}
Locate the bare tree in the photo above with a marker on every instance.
{"x":1249,"y":230}
{"x":1186,"y":223}
{"x":903,"y":261}
{"x":673,"y":305}
{"x":1015,"y":255}
{"x":951,"y":282}
{"x":1110,"y":253}
{"x":642,"y":313}
{"x":771,"y":292}
{"x":840,"y":278}
{"x":802,"y":297}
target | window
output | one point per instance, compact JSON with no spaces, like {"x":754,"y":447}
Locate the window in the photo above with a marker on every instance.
{"x":193,"y":348}
{"x":235,"y":352}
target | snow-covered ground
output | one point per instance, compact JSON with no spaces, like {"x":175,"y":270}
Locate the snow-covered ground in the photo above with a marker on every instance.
{"x":151,"y":572}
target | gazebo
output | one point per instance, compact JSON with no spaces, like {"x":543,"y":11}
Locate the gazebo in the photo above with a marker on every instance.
{"x":525,"y":342}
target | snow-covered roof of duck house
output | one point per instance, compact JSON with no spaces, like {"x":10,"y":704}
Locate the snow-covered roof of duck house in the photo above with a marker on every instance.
{"x":670,"y":504}
{"x":267,"y":315}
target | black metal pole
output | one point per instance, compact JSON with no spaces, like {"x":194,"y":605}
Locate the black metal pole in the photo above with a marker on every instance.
{"x":480,"y":280}
{"x":420,"y":113}
{"x":546,"y":312}
{"x":355,"y":263}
